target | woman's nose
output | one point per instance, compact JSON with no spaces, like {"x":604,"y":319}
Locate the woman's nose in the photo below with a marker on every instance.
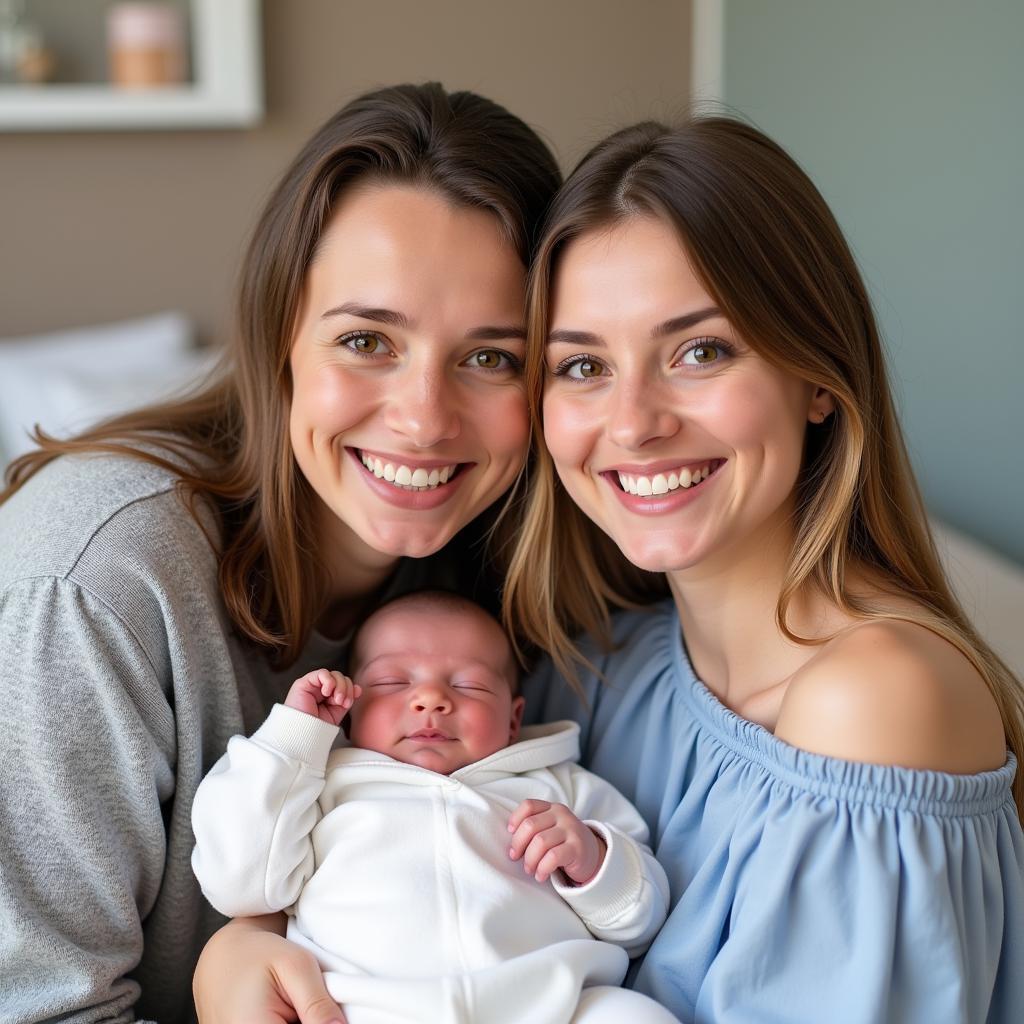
{"x":423,"y":408}
{"x":639,"y":413}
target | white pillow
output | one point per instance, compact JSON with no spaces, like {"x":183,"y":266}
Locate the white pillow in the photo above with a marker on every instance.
{"x":66,"y":380}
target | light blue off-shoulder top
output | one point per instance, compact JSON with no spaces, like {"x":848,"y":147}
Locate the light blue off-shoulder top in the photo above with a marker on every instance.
{"x":804,"y":888}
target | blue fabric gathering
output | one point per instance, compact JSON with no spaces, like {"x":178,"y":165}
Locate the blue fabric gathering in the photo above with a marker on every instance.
{"x":803,"y":888}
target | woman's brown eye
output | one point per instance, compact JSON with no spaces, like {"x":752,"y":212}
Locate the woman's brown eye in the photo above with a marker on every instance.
{"x":493,"y":359}
{"x":366,"y":343}
{"x":702,"y":355}
{"x":579,"y":368}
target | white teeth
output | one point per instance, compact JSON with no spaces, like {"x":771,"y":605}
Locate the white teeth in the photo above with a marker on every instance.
{"x":419,"y":479}
{"x":662,"y":483}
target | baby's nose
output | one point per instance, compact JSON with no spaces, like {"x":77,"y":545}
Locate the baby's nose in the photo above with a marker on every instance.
{"x":431,"y":700}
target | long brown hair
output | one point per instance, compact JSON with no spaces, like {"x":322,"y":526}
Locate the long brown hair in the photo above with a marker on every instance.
{"x":229,"y":441}
{"x":768,"y":250}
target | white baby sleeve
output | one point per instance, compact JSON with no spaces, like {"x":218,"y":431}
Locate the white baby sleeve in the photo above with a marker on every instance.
{"x":627,"y":900}
{"x":254,"y":814}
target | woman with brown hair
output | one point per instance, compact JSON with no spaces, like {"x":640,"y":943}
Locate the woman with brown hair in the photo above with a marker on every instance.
{"x":824,"y":748}
{"x":164,"y":575}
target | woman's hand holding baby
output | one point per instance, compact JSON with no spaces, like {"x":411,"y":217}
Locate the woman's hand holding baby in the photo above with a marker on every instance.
{"x":323,"y":694}
{"x":549,"y":836}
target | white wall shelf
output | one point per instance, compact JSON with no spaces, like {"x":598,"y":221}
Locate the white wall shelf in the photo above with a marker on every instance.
{"x":227,"y":90}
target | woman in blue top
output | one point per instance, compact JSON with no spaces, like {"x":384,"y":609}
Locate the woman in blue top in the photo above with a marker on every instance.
{"x":827,"y":760}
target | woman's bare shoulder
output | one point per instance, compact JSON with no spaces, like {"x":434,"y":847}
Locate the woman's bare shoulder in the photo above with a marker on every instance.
{"x":892,"y":692}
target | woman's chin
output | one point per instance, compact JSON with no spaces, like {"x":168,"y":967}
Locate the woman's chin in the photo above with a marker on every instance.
{"x":653,"y":554}
{"x":403,"y":542}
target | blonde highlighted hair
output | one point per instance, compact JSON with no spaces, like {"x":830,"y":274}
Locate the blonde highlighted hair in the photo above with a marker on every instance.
{"x":769,"y":252}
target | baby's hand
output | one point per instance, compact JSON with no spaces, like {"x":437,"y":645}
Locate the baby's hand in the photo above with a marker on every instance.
{"x":324,"y":695}
{"x":549,"y":836}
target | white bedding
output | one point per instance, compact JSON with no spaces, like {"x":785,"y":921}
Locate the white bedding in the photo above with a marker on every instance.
{"x":67,"y":380}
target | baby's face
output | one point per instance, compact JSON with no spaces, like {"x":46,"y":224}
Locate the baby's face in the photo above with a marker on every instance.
{"x":437,"y":687}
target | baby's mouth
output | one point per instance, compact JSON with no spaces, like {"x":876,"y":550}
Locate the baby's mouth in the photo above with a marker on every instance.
{"x":431,"y":735}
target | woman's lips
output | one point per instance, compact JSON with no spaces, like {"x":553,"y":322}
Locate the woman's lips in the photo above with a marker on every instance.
{"x":402,"y":497}
{"x":403,"y":471}
{"x":659,"y":504}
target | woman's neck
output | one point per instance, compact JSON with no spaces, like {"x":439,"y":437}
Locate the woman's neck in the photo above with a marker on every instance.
{"x":355,"y":573}
{"x":727,"y":608}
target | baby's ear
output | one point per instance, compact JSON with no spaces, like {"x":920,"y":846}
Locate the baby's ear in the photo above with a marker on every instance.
{"x":518,"y":705}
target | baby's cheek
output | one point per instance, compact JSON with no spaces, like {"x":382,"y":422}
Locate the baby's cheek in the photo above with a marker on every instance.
{"x":491,"y":732}
{"x":360,"y":727}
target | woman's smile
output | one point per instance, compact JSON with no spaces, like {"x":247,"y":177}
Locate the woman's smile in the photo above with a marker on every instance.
{"x":404,"y":472}
{"x":664,"y":487}
{"x":407,"y":483}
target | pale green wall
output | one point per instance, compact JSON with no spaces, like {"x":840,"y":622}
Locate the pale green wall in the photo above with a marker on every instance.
{"x":909,"y":116}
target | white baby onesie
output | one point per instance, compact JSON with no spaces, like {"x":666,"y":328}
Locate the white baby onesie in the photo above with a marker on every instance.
{"x":398,"y":879}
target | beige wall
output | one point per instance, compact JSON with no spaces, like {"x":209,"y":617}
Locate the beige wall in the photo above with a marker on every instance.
{"x":99,"y":226}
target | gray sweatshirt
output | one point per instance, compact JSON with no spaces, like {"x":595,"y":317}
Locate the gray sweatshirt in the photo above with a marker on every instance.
{"x":121,"y":680}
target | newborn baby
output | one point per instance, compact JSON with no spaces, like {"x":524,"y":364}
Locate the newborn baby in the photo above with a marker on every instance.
{"x":446,"y":866}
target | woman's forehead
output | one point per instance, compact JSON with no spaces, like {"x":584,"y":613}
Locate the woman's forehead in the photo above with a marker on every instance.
{"x":637,"y":267}
{"x":411,"y":252}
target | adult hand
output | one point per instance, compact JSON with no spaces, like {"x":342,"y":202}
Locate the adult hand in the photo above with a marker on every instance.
{"x":549,"y":836}
{"x":249,"y":973}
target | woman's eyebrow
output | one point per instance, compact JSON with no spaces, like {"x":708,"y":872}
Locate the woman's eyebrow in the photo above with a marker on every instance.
{"x":376,"y":313}
{"x":497,"y":333}
{"x":585,"y":338}
{"x":685,"y":322}
{"x":666,"y":327}
{"x":393,"y":318}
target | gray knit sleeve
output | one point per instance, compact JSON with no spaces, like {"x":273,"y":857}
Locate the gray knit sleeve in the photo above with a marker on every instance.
{"x":86,"y":762}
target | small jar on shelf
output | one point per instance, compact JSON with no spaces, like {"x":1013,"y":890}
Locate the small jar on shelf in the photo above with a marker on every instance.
{"x":146,"y":44}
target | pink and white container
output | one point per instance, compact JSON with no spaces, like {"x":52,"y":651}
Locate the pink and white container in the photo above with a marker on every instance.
{"x":146,"y":45}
